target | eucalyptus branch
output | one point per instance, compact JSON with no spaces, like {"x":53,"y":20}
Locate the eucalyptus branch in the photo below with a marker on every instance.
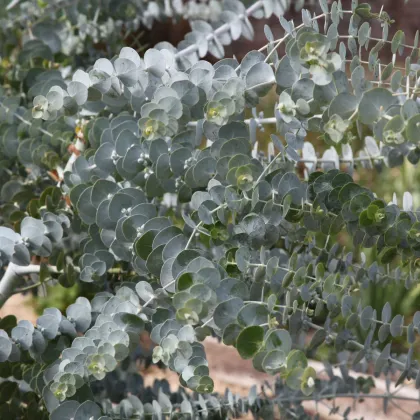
{"x":28,"y":123}
{"x":285,"y":38}
{"x":12,"y":277}
{"x":386,"y":41}
{"x":80,"y":147}
{"x":197,"y":228}
{"x":345,"y":395}
{"x":221,"y":29}
{"x":266,"y":169}
{"x":31,"y":286}
{"x":375,"y":353}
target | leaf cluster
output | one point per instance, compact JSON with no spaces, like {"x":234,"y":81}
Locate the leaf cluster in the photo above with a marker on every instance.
{"x":186,"y":231}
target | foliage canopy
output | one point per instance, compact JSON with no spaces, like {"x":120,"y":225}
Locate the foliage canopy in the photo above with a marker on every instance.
{"x":142,"y":176}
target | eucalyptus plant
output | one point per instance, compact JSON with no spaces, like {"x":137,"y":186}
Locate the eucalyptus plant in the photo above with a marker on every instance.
{"x":185,"y":229}
{"x":48,"y":28}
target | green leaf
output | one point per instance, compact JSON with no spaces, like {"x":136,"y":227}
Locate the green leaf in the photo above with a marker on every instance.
{"x":260,"y":78}
{"x":44,"y":273}
{"x":250,"y":341}
{"x":5,"y":348}
{"x":226,"y":312}
{"x":308,"y":381}
{"x":87,"y":410}
{"x":278,"y":340}
{"x":387,"y":255}
{"x":296,"y":359}
{"x":396,"y":327}
{"x":299,"y":276}
{"x":413,"y":129}
{"x":318,"y":339}
{"x":274,"y":362}
{"x":144,"y":244}
{"x":230,"y":334}
{"x":324,"y":6}
{"x":65,"y":411}
{"x":366,"y":317}
{"x":7,"y":323}
{"x":205,"y":385}
{"x":374,"y":104}
{"x":397,"y":40}
{"x":293,"y":378}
